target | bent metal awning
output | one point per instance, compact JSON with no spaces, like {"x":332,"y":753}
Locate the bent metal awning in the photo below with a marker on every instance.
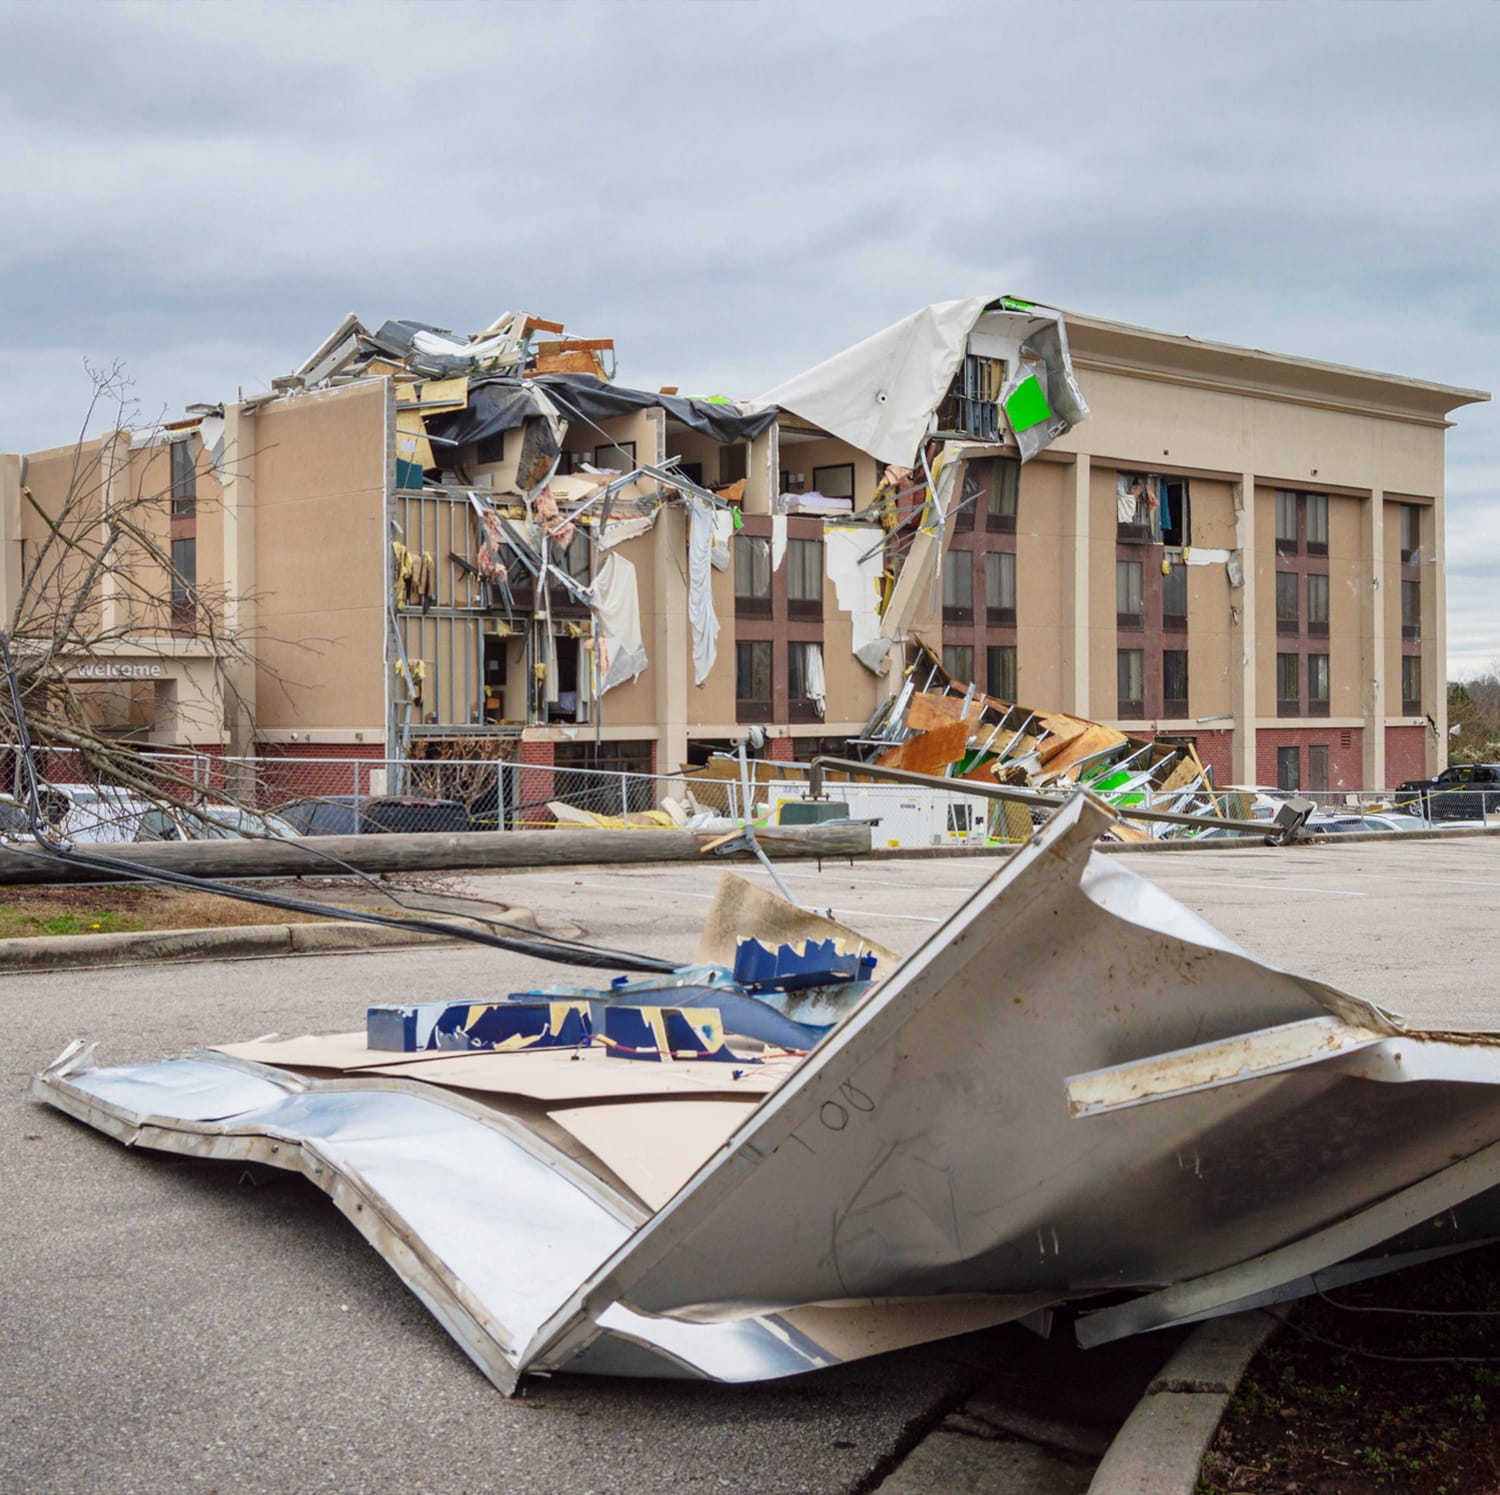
{"x":1074,"y":1086}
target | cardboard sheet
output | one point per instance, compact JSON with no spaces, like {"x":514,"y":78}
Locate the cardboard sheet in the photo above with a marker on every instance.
{"x":655,"y":1147}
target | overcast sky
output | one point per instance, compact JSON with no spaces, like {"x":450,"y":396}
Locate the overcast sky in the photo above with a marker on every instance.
{"x":735,"y":190}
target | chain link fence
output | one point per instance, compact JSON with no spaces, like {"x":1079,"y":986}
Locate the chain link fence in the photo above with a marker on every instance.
{"x":281,"y":794}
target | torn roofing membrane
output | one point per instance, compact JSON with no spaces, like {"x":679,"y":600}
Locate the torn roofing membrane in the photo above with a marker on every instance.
{"x":1073,"y":1086}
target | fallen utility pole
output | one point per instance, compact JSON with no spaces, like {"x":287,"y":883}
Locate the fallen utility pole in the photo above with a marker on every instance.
{"x":328,"y":856}
{"x":1279,"y":830}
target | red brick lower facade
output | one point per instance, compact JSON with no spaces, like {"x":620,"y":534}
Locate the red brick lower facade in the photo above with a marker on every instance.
{"x":1343,"y":746}
{"x":1405,"y":755}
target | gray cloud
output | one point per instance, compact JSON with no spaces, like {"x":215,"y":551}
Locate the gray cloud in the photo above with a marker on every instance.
{"x":736,"y":190}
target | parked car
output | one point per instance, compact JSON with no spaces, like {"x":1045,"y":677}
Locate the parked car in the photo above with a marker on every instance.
{"x":1380,"y":820}
{"x":1463,"y":791}
{"x":353,"y":814}
{"x":211,"y":823}
{"x":101,"y":813}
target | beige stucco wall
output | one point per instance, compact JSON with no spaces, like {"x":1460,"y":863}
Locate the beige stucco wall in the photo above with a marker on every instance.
{"x":321,"y":558}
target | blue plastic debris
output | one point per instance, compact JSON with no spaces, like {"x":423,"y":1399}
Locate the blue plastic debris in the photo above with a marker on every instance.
{"x":820,"y":963}
{"x":455,"y":1026}
{"x":657,"y":1034}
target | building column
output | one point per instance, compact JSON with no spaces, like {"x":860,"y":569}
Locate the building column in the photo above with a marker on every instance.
{"x":237,"y":483}
{"x":10,"y":538}
{"x":114,"y":496}
{"x":1242,"y":769}
{"x":1372,"y":634}
{"x":1075,"y":593}
{"x":1435,"y":631}
{"x":671,"y":649}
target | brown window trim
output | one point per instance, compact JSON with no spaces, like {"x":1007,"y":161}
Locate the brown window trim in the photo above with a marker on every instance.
{"x":1317,"y":630}
{"x":1174,"y":708}
{"x":1288,"y":708}
{"x":804,"y":608}
{"x":1000,"y":617}
{"x":1174,"y":622}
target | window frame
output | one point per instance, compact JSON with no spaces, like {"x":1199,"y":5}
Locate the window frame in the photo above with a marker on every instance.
{"x":798,"y":606}
{"x":1411,"y":628}
{"x":1000,"y":566}
{"x":996,"y":654}
{"x":1319,"y":684}
{"x":182,"y":458}
{"x":1124,"y":618}
{"x":1288,"y":620}
{"x":1174,"y":705}
{"x":1288,"y":661}
{"x":753,"y":707}
{"x":958,"y":567}
{"x":750,"y":601}
{"x":1411,"y":705}
{"x":1130,"y":707}
{"x":951,"y":658}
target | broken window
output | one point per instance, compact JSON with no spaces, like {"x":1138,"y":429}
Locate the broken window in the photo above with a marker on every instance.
{"x":1000,"y":669}
{"x":1288,"y":684}
{"x":1411,"y":532}
{"x":958,"y":660}
{"x":804,"y":578}
{"x":1289,"y":768}
{"x":1288,"y":617}
{"x":752,"y":679}
{"x":184,"y":478}
{"x":803,"y":685}
{"x":1317,"y":768}
{"x":1411,"y":684}
{"x":1411,"y":609}
{"x":1174,"y":517}
{"x":1174,"y":682}
{"x":1286,"y":522}
{"x":184,"y":584}
{"x":752,"y":576}
{"x":1000,"y":586}
{"x":1136,"y":506}
{"x":1317,"y":605}
{"x":1317,"y":685}
{"x":1174,"y":598}
{"x":958,"y":586}
{"x":1130,"y":681}
{"x":1129,"y":594}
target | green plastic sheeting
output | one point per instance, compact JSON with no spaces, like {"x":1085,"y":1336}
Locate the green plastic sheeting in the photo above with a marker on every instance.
{"x":1027,"y":406}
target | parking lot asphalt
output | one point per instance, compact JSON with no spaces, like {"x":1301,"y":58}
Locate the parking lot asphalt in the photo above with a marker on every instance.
{"x":181,"y":1326}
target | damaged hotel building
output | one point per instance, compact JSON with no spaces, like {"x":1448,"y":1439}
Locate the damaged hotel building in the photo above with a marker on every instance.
{"x":501,"y":551}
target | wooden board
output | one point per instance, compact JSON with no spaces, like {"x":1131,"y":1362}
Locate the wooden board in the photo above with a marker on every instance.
{"x":932,"y":752}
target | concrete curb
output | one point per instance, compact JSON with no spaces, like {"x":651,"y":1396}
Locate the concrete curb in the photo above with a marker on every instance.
{"x":231,"y":942}
{"x":1160,"y":1449}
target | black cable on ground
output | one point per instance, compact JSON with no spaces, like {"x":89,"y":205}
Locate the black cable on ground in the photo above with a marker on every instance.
{"x":550,"y":948}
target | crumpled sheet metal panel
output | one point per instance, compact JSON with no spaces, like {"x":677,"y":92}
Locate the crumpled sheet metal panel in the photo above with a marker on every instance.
{"x":933,"y":1132}
{"x":490,"y":1227}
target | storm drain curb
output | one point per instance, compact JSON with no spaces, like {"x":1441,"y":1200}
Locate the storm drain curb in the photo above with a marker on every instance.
{"x":1160,"y":1449}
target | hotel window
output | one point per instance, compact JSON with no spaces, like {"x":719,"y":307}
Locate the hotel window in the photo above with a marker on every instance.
{"x":1411,"y":532}
{"x":958,"y":586}
{"x":1286,"y":522}
{"x":1000,"y":586}
{"x":184,"y":583}
{"x":1129,"y":604}
{"x":1130,"y":682}
{"x":1175,"y":529}
{"x":1317,"y":605}
{"x":184,"y":478}
{"x":958,"y":660}
{"x":1288,"y":768}
{"x":1317,"y":685}
{"x":1000,"y":662}
{"x":1005,"y":481}
{"x":1174,"y":682}
{"x":752,"y":678}
{"x":804,"y":578}
{"x":752,"y":576}
{"x":1174,"y":603}
{"x":1317,"y":523}
{"x":801,"y":706}
{"x":1411,"y":609}
{"x":1288,"y":684}
{"x":1411,"y":684}
{"x":1288,"y":618}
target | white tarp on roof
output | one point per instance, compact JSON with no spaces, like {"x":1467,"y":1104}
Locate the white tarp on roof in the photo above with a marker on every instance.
{"x":880,"y":395}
